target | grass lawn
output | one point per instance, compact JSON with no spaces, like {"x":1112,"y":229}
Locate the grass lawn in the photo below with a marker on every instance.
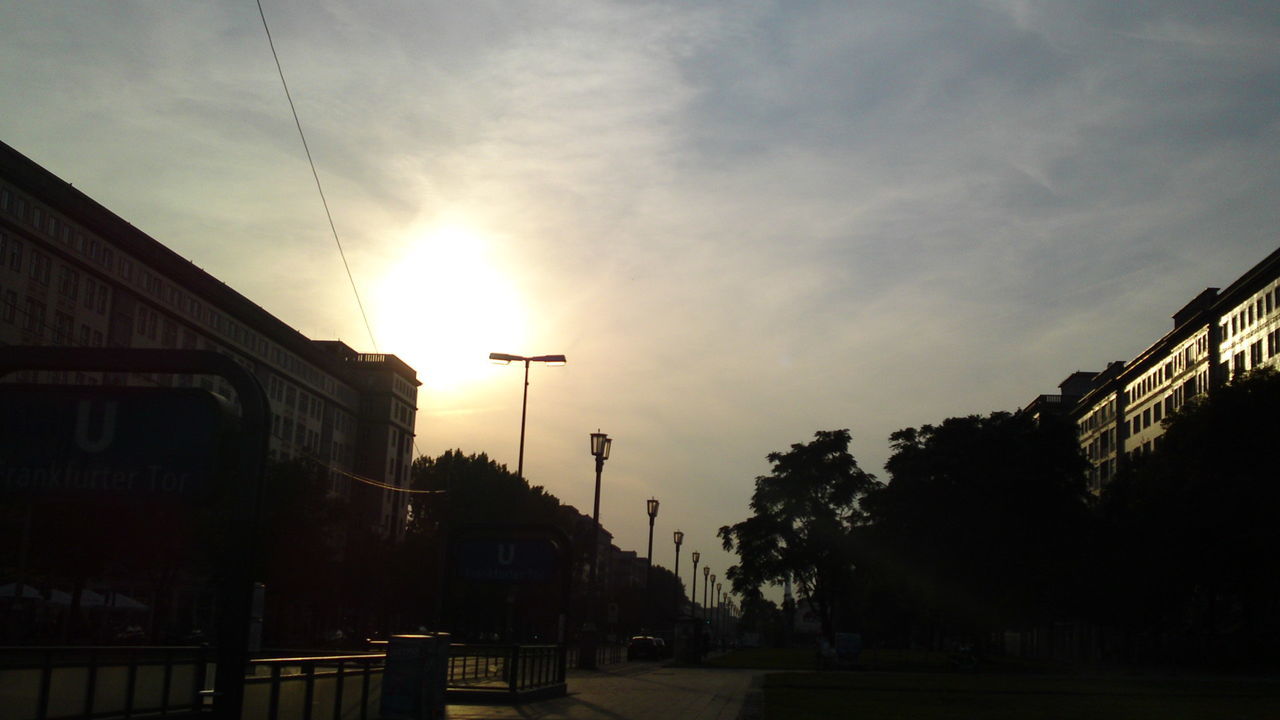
{"x":870,"y":659}
{"x":1003,"y":696}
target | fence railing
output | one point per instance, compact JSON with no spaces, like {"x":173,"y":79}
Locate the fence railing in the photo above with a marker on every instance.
{"x":53,"y":683}
{"x":332,"y":687}
{"x":514,"y":668}
{"x":605,"y":655}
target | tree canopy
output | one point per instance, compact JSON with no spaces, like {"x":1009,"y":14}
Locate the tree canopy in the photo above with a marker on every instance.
{"x":802,"y":515}
{"x":980,"y":523}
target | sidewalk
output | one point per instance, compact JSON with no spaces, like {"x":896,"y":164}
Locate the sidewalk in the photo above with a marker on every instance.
{"x":633,"y":691}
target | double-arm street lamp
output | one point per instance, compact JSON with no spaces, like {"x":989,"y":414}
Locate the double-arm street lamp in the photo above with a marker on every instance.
{"x":505,"y":359}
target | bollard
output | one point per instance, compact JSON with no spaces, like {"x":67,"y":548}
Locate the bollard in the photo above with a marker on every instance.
{"x":413,"y":680}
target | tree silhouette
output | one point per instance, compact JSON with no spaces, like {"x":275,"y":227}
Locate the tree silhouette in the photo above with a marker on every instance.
{"x":803,"y":514}
{"x":1192,"y":534}
{"x":980,"y":525}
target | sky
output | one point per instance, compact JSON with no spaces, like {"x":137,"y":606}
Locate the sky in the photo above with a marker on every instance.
{"x":742,"y":222}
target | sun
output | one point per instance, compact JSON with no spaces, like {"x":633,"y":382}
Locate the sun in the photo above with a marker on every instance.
{"x":444,"y":304}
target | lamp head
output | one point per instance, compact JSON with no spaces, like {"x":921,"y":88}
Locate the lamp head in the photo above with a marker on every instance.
{"x":706,"y":570}
{"x":678,"y":537}
{"x":600,"y":444}
{"x":696,"y":556}
{"x":503,"y":358}
{"x":651,"y":505}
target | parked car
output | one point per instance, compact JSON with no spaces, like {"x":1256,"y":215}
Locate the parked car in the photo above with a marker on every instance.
{"x":643,"y":647}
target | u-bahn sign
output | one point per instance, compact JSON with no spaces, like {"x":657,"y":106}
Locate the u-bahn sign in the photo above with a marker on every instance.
{"x":508,"y":560}
{"x":91,"y":442}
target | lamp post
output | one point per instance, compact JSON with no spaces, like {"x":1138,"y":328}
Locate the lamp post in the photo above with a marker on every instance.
{"x":719,"y":615}
{"x":505,"y":359}
{"x":600,"y":446}
{"x":651,"y":506}
{"x":706,"y":570}
{"x":693,"y":591}
{"x":706,"y":586}
{"x":678,"y":538}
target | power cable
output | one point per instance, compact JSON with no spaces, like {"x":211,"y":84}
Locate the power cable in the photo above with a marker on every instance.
{"x":316,"y":175}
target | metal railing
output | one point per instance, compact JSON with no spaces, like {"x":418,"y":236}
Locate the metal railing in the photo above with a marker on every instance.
{"x":605,"y":655}
{"x":331,"y":687}
{"x":52,"y":683}
{"x":514,"y":668}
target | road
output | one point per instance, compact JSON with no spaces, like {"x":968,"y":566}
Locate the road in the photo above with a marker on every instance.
{"x":633,"y":691}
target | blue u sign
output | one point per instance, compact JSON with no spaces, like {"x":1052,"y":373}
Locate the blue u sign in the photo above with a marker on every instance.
{"x":78,"y":442}
{"x":507,"y":560}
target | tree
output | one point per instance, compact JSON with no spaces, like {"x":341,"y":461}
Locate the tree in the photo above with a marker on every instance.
{"x":803,"y":514}
{"x":980,"y":525}
{"x":475,"y":490}
{"x":1192,"y":530}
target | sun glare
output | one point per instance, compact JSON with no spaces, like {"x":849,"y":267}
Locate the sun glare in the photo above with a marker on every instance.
{"x":444,"y":305}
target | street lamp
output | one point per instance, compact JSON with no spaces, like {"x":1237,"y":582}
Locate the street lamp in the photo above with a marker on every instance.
{"x":719,"y":614}
{"x":693,"y":591}
{"x":678,"y":537}
{"x":600,"y":445}
{"x":505,"y":359}
{"x":706,"y":570}
{"x":651,"y":507}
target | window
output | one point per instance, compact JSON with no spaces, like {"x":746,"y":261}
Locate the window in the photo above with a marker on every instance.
{"x":102,"y":299}
{"x":1255,"y":354}
{"x":35,"y":316}
{"x":9,"y":310}
{"x":10,"y":252}
{"x":62,"y":325}
{"x":68,"y":282}
{"x":40,"y":267}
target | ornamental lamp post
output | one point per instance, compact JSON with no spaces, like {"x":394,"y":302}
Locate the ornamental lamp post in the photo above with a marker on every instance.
{"x":693,"y":590}
{"x":601,"y":443}
{"x":705,"y":585}
{"x":505,"y":359}
{"x":678,"y":538}
{"x":719,"y":616}
{"x":651,"y":507}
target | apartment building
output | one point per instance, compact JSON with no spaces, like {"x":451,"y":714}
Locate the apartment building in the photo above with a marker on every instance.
{"x":74,"y":274}
{"x":1219,"y":334}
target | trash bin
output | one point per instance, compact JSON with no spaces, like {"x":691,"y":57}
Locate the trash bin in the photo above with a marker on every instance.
{"x":413,"y":681}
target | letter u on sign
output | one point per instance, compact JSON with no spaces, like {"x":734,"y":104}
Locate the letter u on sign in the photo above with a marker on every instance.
{"x":506,"y":553}
{"x":106,"y":432}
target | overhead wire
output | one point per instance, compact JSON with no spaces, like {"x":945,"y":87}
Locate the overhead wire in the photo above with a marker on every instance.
{"x":315,"y":174}
{"x":307,"y":149}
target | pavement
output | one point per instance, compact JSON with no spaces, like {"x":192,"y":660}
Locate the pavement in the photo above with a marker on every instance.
{"x":637,"y":691}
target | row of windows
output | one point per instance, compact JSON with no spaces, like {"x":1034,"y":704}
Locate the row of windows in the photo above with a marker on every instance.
{"x":1252,"y":312}
{"x":47,"y":222}
{"x":1258,"y":353}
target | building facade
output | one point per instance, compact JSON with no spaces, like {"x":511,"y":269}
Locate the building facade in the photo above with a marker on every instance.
{"x":1219,"y":334}
{"x":74,"y":274}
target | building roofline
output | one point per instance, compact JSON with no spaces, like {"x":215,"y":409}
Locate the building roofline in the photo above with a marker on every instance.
{"x":66,"y":199}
